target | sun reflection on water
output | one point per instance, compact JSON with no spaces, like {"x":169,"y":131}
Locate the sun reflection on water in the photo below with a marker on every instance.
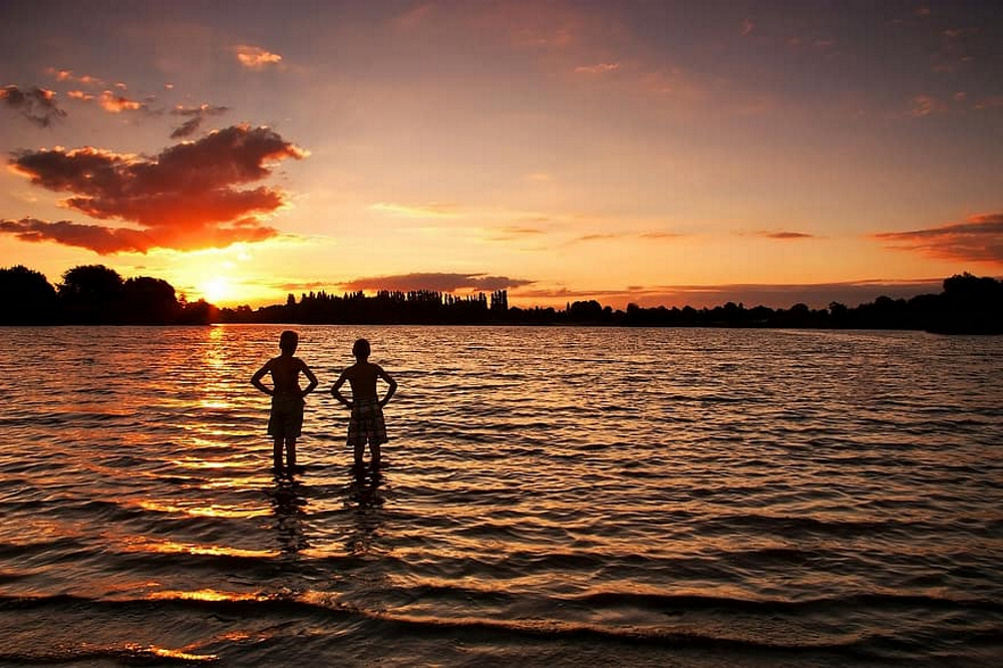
{"x":223,"y":511}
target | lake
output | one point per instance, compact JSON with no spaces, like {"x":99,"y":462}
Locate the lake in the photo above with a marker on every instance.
{"x":559,"y":496}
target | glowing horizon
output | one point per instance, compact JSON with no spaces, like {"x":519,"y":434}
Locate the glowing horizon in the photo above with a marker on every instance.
{"x":658,"y":153}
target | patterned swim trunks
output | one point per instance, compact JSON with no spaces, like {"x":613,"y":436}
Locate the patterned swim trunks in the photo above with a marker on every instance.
{"x":367,"y":423}
{"x":286,"y":419}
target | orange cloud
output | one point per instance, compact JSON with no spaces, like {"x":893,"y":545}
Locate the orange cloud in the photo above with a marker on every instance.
{"x":186,"y":197}
{"x":37,"y":105}
{"x":67,"y":75}
{"x":111,"y":102}
{"x":116,"y":104}
{"x":978,"y":239}
{"x":256,"y":58}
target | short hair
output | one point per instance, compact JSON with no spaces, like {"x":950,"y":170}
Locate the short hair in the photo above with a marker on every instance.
{"x":361,"y":348}
{"x":288,"y":340}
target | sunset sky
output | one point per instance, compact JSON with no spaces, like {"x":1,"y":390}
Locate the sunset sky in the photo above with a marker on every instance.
{"x":650,"y":152}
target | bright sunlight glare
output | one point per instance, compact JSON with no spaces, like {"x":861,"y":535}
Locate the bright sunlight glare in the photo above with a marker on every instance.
{"x":216,"y":290}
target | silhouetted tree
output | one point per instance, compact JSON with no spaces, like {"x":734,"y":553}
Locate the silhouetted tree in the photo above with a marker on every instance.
{"x":149,"y":301}
{"x":970,"y":305}
{"x":26,"y":297}
{"x":92,"y":295}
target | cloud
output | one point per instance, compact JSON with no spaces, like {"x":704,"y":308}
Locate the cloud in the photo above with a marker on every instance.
{"x":926,"y":105}
{"x":601,"y":68}
{"x":101,"y":240}
{"x":991,"y":102}
{"x":187,"y":197}
{"x":38,"y":105}
{"x":516,"y":233}
{"x":439,"y":282}
{"x":599,"y":237}
{"x":519,"y":230}
{"x":115,"y":104}
{"x":195,"y":117}
{"x":67,"y":75}
{"x":978,"y":239}
{"x":430,"y":210}
{"x":785,"y":236}
{"x":748,"y":25}
{"x":256,"y":58}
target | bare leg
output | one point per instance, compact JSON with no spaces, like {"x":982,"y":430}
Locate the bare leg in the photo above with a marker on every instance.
{"x":359,"y":450}
{"x":277,"y":455}
{"x":291,"y":453}
{"x":374,"y":450}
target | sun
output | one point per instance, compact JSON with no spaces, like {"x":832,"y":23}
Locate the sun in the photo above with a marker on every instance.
{"x":216,"y":289}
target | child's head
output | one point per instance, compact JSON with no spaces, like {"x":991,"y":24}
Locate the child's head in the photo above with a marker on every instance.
{"x":288,"y":341}
{"x":361,"y":349}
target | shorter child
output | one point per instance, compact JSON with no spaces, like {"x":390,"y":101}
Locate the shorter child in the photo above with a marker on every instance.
{"x":286,"y":419}
{"x":366,"y":423}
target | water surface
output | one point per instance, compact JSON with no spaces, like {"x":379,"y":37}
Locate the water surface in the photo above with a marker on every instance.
{"x":554,"y":495}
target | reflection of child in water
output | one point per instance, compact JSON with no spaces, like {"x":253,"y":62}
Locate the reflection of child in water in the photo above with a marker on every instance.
{"x":286,"y":419}
{"x":366,"y":423}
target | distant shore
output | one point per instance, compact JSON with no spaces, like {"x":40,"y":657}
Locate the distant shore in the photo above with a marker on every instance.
{"x":97,"y":295}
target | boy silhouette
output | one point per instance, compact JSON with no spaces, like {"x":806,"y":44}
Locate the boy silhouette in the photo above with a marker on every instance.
{"x":286,"y":419}
{"x":366,"y":423}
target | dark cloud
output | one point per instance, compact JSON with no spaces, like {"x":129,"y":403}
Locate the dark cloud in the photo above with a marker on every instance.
{"x":38,"y":105}
{"x":195,"y":115}
{"x":978,"y":239}
{"x":786,"y":236}
{"x":101,"y":240}
{"x":187,"y":129}
{"x":440,"y":282}
{"x":186,"y":197}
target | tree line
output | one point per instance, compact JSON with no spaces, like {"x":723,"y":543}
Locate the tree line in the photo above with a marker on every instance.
{"x":97,"y":295}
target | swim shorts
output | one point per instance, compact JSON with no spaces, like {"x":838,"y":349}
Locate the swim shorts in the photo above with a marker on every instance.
{"x":367,"y":423}
{"x":286,"y":419}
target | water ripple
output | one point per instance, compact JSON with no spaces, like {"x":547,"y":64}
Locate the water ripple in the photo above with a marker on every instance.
{"x":552,"y":495}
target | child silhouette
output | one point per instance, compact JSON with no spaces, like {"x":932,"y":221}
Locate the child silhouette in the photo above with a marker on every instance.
{"x":366,"y":423}
{"x":286,"y":419}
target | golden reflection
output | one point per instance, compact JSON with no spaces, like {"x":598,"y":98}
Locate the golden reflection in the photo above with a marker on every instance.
{"x":190,"y":463}
{"x":171,"y":653}
{"x":218,"y":377}
{"x":204,"y":511}
{"x":208,"y":595}
{"x":235,"y":636}
{"x":143,"y":544}
{"x":288,"y":503}
{"x":365,"y":494}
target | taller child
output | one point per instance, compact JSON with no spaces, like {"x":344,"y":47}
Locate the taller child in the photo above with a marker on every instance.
{"x":286,"y":420}
{"x":367,"y":422}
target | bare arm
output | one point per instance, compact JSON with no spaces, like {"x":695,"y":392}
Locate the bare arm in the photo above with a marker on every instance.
{"x":336,"y":390}
{"x":392,"y":385}
{"x":259,"y":374}
{"x":312,"y":378}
